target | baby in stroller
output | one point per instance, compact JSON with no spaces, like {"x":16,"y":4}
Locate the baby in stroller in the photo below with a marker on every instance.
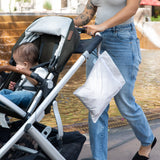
{"x":26,"y":57}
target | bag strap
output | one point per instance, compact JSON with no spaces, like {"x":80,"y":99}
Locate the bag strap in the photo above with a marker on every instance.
{"x":99,"y":49}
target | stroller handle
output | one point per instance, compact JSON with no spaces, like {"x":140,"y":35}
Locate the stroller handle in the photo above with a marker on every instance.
{"x":81,"y":30}
{"x":88,"y":44}
{"x":95,"y":41}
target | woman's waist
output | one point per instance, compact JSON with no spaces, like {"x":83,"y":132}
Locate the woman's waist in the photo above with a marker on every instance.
{"x":122,"y":27}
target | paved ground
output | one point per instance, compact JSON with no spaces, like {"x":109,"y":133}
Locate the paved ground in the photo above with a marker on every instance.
{"x":123,"y":145}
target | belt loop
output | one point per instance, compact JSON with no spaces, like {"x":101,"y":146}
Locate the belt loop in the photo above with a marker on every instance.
{"x":112,"y":29}
{"x":115,"y":29}
{"x":131,"y":26}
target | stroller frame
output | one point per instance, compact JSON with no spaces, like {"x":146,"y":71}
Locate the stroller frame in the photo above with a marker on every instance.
{"x":28,"y":127}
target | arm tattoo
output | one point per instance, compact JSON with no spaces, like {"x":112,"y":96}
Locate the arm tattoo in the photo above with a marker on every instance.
{"x":82,"y":19}
{"x":85,"y":19}
{"x":89,"y":5}
{"x":87,"y":15}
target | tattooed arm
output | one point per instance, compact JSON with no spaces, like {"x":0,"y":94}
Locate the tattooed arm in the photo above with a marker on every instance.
{"x":130,"y":8}
{"x":86,"y":15}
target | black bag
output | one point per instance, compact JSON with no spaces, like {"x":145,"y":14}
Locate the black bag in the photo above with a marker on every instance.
{"x":69,"y":147}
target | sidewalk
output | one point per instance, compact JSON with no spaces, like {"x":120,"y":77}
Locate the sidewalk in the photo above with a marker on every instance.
{"x":122,"y":144}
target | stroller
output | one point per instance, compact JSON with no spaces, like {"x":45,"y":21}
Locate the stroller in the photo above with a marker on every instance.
{"x":57,"y":39}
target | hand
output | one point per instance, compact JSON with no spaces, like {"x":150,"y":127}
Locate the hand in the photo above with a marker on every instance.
{"x":20,"y":67}
{"x":11,"y":85}
{"x":93,"y":29}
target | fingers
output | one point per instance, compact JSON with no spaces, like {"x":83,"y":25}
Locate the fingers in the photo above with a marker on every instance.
{"x":90,"y":30}
{"x":11,"y":85}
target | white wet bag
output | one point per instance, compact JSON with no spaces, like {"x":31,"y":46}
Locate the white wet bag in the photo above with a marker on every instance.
{"x":102,"y":84}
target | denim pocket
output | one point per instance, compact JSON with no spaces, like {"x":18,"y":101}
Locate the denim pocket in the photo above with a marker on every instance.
{"x":124,"y":35}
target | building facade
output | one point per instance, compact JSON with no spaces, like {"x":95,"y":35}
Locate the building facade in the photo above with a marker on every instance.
{"x":57,"y":6}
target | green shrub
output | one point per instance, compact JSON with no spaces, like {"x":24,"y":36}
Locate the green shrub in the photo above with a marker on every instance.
{"x":155,"y":18}
{"x":47,"y":5}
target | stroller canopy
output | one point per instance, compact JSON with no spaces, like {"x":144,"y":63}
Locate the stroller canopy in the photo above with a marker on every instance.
{"x":63,"y":29}
{"x":52,"y":25}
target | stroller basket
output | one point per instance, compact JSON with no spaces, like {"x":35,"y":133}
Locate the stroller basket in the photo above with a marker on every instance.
{"x":70,"y":145}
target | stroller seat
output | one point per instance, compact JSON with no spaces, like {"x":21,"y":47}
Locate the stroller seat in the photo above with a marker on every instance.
{"x":56,"y":44}
{"x":57,"y":39}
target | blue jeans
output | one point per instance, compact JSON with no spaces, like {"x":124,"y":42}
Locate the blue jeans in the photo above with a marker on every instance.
{"x":123,"y":46}
{"x":20,"y":98}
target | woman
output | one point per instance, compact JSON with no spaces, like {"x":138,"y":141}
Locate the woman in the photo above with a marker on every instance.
{"x":114,"y":19}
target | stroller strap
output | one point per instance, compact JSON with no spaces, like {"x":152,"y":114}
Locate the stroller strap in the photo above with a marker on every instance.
{"x":29,"y":88}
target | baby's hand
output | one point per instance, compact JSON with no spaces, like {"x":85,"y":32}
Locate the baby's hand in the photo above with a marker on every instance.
{"x":11,"y":85}
{"x":20,"y":67}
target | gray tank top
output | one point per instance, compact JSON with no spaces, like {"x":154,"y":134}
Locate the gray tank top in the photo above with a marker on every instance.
{"x":108,"y":8}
